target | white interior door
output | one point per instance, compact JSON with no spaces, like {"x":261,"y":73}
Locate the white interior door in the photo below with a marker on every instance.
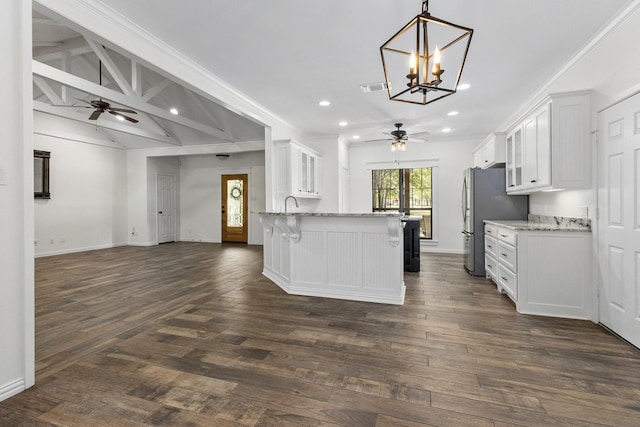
{"x":166,"y":208}
{"x":619,"y":218}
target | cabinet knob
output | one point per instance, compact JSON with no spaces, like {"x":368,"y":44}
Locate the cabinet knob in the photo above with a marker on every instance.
{"x":534,"y":180}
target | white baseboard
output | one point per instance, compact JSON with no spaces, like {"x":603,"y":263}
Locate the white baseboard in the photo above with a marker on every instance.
{"x":79,"y":249}
{"x":141,"y":244}
{"x":441,"y":251}
{"x":12,"y":388}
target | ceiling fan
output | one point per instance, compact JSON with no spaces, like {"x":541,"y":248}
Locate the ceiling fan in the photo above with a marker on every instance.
{"x":101,"y":106}
{"x":399,"y":138}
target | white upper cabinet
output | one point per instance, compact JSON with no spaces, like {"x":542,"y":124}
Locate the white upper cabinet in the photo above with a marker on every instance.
{"x":491,"y":152}
{"x":551,"y":148}
{"x":514,"y":160}
{"x":297,"y":170}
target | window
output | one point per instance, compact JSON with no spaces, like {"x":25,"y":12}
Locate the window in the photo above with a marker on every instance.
{"x":405,"y":190}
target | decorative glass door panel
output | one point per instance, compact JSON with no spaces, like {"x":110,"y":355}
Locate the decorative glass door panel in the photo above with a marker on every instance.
{"x":234,"y":208}
{"x":234,"y":203}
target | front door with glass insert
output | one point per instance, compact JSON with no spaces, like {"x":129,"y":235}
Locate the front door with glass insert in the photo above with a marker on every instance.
{"x":234,"y":208}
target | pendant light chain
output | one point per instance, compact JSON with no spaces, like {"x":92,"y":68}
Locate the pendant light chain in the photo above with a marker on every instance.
{"x":425,"y":6}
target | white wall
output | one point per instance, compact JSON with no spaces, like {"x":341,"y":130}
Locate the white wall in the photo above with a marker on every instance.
{"x":201,"y":186}
{"x":450,"y":159}
{"x":17,"y":366}
{"x":87,"y":209}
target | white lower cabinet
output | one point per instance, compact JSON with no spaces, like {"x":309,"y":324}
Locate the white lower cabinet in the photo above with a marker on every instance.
{"x":545,"y":273}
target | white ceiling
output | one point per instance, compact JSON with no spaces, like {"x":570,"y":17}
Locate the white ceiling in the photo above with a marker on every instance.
{"x":287,"y":55}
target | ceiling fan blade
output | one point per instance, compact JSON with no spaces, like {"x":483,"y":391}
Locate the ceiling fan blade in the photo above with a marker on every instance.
{"x":373,"y":141}
{"x":95,"y":115}
{"x":420,"y":135}
{"x":124,"y":110}
{"x":129,"y":119}
{"x":71,"y":106}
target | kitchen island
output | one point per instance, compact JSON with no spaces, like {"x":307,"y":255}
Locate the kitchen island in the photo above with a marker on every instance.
{"x":335,"y":255}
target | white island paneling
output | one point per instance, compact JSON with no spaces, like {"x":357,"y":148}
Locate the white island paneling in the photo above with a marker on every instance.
{"x":346,"y":256}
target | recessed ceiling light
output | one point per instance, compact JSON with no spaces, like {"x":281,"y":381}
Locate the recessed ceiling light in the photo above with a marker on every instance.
{"x":356,"y":137}
{"x":452,"y":113}
{"x":464,"y":86}
{"x":173,"y":111}
{"x":445,"y":130}
{"x":324,"y":103}
{"x":343,"y":123}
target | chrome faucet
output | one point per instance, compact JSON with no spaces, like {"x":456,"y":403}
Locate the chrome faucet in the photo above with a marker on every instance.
{"x":285,"y":202}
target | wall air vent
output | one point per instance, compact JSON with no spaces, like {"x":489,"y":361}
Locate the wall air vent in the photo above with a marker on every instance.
{"x":373,"y":87}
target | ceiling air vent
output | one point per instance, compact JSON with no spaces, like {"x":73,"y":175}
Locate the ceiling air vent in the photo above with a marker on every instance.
{"x":373,"y":87}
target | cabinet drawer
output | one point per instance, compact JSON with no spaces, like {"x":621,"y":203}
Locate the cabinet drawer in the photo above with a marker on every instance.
{"x":508,"y":236}
{"x":490,"y":246}
{"x":507,"y":256}
{"x":491,"y":267}
{"x":491,"y":230}
{"x":508,"y":282}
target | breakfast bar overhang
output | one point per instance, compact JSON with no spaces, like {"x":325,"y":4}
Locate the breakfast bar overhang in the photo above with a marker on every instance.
{"x":335,"y":255}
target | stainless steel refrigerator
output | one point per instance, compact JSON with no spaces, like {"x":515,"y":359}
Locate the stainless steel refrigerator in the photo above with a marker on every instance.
{"x":484,"y":196}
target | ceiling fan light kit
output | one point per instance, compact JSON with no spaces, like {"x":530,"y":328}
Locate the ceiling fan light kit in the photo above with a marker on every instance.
{"x":415,"y":59}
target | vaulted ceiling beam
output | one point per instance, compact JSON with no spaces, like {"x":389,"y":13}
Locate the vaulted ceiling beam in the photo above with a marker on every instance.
{"x":48,"y":91}
{"x":74,"y":47}
{"x":111,"y":66}
{"x":136,"y":78}
{"x":155,"y":89}
{"x":54,"y":74}
{"x":203,"y":108}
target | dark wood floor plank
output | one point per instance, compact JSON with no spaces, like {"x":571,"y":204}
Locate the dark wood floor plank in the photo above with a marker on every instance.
{"x":194,"y":334}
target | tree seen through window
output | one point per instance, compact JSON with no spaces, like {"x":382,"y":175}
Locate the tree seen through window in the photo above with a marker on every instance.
{"x":405,"y":190}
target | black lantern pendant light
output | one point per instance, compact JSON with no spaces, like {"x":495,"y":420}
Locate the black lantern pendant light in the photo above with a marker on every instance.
{"x":416,"y":57}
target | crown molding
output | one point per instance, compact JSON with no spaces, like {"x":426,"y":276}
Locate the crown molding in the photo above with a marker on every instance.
{"x":616,"y":22}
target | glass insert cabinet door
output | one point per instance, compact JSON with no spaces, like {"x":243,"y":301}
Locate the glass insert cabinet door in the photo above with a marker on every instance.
{"x":234,"y":208}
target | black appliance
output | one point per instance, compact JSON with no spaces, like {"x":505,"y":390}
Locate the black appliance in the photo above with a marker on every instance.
{"x":411,"y":243}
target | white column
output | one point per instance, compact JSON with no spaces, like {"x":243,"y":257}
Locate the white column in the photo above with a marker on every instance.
{"x":17,"y":366}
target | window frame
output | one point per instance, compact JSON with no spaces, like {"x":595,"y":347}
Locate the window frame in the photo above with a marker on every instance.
{"x":404,"y":194}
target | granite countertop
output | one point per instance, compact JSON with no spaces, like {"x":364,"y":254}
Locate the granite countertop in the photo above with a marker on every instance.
{"x":544,"y":223}
{"x":333,"y":214}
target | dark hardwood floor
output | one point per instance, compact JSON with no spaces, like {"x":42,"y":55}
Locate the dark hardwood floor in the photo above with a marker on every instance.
{"x":191,"y":334}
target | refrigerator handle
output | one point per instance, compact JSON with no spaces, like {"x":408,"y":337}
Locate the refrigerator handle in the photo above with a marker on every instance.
{"x":464,"y":200}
